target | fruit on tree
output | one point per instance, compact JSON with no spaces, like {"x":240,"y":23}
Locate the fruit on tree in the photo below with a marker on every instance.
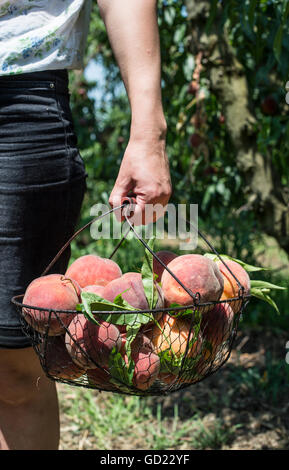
{"x":193,"y":88}
{"x":269,"y":106}
{"x":195,"y":140}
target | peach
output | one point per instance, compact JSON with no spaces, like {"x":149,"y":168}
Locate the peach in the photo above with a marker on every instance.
{"x":197,"y":273}
{"x":147,"y":363}
{"x":147,"y":367}
{"x":166,"y":257}
{"x":173,"y":336}
{"x":231,"y":288}
{"x":132,"y":275}
{"x":140,"y":342}
{"x":57,"y":361}
{"x":95,"y":289}
{"x":170,"y":379}
{"x":53,"y":292}
{"x":131,"y":288}
{"x":90,"y":344}
{"x":92,"y":269}
{"x":217,"y":324}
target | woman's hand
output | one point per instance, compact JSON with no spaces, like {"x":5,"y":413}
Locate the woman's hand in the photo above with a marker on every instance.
{"x":144,"y":173}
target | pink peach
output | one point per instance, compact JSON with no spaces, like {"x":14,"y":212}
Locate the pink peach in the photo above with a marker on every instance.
{"x":92,"y":269}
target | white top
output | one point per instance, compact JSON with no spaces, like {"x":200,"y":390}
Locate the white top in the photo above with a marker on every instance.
{"x":40,"y":35}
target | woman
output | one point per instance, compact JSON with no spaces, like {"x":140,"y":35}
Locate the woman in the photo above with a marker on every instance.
{"x":42,"y":176}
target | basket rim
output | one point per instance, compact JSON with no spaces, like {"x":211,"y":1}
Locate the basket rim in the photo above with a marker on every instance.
{"x":16,"y":301}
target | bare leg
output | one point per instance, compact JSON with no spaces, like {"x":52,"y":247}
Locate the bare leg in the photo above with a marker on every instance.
{"x":29,"y":415}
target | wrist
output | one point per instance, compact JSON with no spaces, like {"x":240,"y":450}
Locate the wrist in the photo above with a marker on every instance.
{"x":151,"y":126}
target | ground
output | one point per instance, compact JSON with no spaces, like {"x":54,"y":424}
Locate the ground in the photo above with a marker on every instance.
{"x":244,"y":405}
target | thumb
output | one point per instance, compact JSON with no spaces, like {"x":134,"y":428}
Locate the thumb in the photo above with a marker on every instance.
{"x":117,"y":198}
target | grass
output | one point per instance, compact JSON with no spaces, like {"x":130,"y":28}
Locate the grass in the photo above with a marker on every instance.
{"x":268,"y":383}
{"x":107,"y":423}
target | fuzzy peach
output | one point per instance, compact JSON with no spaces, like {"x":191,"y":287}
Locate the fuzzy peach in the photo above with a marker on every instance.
{"x":231,"y":288}
{"x":92,"y":269}
{"x":170,"y":379}
{"x":53,"y":292}
{"x":173,"y":336}
{"x":94,"y":289}
{"x":90,"y":344}
{"x":217,"y":324}
{"x":147,"y":367}
{"x":131,"y":288}
{"x":198,"y":274}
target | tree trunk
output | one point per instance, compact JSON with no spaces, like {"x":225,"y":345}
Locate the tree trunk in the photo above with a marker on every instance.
{"x":227,"y":79}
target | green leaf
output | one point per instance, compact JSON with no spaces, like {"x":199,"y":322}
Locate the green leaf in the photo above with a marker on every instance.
{"x":173,"y":364}
{"x":248,"y":267}
{"x":131,"y":333}
{"x":93,"y":302}
{"x":121,"y":374}
{"x":265,"y":297}
{"x":169,"y":15}
{"x":180,"y":33}
{"x":285,"y":11}
{"x":277,"y":45}
{"x":188,"y":67}
{"x":265,"y":285}
{"x":88,"y":314}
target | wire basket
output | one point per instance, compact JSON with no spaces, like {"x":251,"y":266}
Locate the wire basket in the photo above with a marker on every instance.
{"x":173,"y":347}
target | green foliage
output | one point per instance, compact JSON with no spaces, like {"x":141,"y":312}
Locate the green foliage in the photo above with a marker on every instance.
{"x":268,"y":383}
{"x":257,"y":314}
{"x":259,"y":34}
{"x":205,"y":175}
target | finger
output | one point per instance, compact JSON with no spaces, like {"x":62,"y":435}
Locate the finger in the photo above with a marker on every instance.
{"x":115,"y":200}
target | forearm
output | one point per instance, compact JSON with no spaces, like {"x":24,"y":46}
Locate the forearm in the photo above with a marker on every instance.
{"x":133,"y":33}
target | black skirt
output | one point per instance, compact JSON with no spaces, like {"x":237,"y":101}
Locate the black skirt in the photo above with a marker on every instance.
{"x":42,"y":185}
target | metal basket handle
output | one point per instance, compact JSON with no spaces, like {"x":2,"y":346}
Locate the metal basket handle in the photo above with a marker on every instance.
{"x":195,"y":296}
{"x":128,"y":204}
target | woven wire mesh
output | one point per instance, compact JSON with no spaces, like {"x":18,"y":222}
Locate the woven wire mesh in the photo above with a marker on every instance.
{"x":176,"y":348}
{"x":169,"y":353}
